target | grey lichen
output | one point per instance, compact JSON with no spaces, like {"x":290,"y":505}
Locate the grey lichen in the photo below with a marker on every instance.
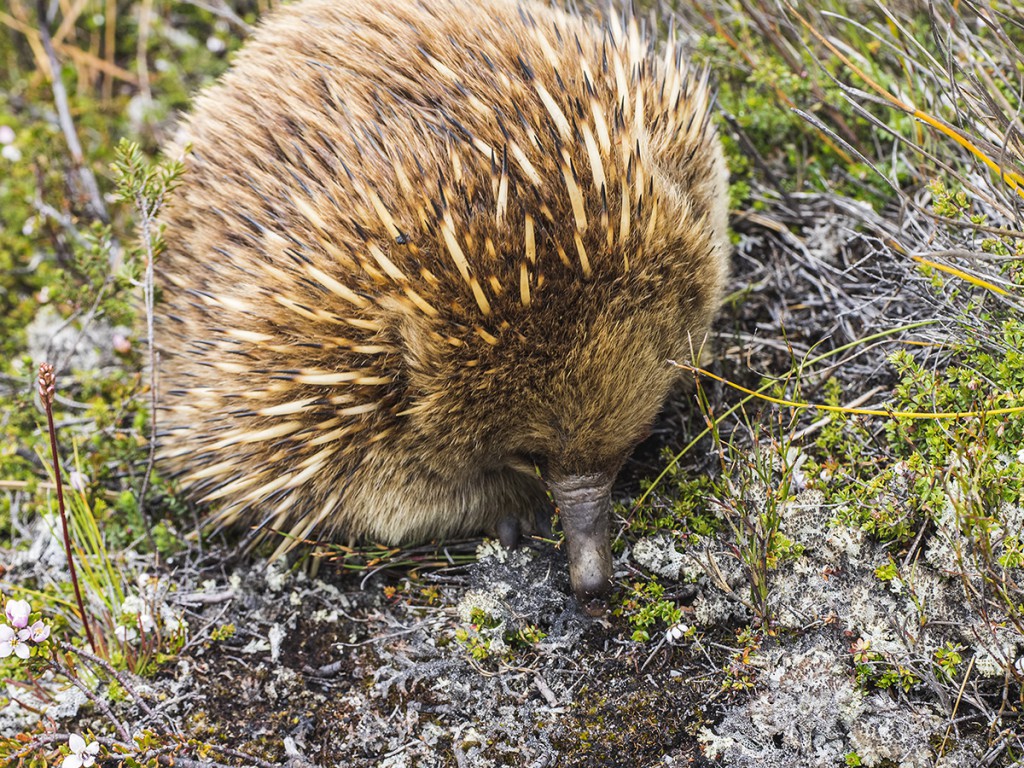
{"x":811,"y":714}
{"x":658,"y":554}
{"x":869,"y":692}
{"x":800,"y":720}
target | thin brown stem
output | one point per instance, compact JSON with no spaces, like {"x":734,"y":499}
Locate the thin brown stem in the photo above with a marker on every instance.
{"x":122,"y":680}
{"x":47,"y":389}
{"x":99,"y":701}
{"x":146,"y":216}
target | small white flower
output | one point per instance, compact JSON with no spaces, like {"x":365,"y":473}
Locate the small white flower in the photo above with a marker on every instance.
{"x":133,"y":604}
{"x":7,"y":135}
{"x":14,"y":642}
{"x":146,"y":622}
{"x":6,"y":636}
{"x":17,"y":613}
{"x":82,"y":754}
{"x":40,"y":631}
{"x":676,"y":633}
{"x":147,"y":584}
{"x":11,"y":152}
{"x":125,"y":634}
{"x":136,"y":613}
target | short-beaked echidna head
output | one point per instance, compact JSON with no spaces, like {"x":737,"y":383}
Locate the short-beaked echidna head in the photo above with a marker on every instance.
{"x":423,"y":248}
{"x":571,"y":397}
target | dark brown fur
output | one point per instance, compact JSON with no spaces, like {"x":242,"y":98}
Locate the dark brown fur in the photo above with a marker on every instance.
{"x":360,"y":337}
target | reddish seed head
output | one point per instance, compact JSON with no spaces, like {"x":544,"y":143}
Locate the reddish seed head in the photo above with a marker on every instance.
{"x":47,"y":383}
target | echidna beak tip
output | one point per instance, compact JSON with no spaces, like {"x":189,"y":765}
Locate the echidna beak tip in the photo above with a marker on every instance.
{"x":585,"y":505}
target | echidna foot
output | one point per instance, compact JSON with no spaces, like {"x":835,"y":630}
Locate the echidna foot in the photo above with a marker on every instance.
{"x":510,"y":532}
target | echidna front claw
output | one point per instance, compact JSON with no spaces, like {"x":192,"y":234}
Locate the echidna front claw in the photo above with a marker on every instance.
{"x":585,"y":506}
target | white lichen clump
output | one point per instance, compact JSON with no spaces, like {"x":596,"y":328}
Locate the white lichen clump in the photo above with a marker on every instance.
{"x":658,"y":554}
{"x":859,"y":671}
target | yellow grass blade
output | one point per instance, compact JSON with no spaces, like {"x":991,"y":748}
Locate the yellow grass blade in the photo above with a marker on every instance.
{"x":962,"y":275}
{"x":854,"y":411}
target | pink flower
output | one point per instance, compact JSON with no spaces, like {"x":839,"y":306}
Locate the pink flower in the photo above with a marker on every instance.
{"x":17,"y":613}
{"x":40,"y":631}
{"x":861,"y":651}
{"x":14,"y":642}
{"x":122,"y":344}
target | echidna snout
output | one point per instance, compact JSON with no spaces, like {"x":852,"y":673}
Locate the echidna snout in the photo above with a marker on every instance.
{"x":418,"y":245}
{"x":585,"y":508}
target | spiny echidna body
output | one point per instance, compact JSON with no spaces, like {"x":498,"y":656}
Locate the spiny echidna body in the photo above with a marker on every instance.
{"x":423,"y":248}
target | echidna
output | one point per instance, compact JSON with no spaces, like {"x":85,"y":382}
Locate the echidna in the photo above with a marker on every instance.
{"x":429,"y":258}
